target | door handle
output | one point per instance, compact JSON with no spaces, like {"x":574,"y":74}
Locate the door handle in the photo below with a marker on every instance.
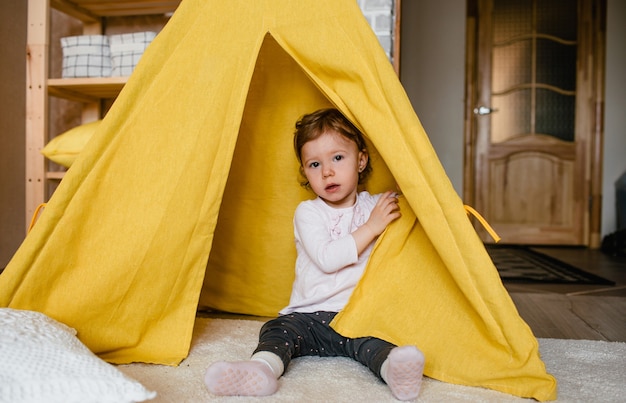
{"x":484,"y":110}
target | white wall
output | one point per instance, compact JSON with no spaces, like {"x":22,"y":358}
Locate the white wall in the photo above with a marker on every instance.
{"x":432,"y":69}
{"x":432,"y":72}
{"x":614,"y":112}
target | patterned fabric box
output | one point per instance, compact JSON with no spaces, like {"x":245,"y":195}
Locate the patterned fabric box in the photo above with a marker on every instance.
{"x":126,"y":50}
{"x":86,"y":56}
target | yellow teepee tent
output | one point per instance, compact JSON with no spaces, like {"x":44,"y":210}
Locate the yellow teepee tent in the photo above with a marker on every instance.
{"x":185,"y":197}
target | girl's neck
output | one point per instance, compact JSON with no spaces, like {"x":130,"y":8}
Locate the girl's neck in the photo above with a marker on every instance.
{"x":343,"y":205}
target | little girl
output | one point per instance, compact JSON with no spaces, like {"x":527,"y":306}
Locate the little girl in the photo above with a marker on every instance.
{"x":334,"y":236}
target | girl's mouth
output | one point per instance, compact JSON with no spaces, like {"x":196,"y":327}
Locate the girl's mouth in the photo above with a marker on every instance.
{"x":332,"y":187}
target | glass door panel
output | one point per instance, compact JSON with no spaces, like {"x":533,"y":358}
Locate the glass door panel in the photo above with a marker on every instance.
{"x":534,"y":69}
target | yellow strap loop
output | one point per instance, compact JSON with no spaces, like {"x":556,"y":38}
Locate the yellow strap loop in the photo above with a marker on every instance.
{"x":35,"y":215}
{"x":470,"y":210}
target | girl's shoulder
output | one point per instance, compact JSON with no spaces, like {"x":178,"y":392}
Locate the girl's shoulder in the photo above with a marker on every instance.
{"x":311,"y":206}
{"x":367,"y":198}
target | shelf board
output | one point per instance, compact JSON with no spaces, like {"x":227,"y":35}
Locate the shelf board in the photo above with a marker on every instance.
{"x":55,"y":175}
{"x":93,"y":10}
{"x":86,"y":89}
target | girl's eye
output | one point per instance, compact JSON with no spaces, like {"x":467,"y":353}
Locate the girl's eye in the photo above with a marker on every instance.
{"x":338,"y":157}
{"x":314,"y":164}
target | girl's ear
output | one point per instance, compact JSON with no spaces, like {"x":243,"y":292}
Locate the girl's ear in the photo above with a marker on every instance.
{"x":363,"y":158}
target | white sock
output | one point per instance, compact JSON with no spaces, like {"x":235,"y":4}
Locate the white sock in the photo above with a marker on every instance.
{"x":402,"y":371}
{"x":240,"y":378}
{"x":272,"y":360}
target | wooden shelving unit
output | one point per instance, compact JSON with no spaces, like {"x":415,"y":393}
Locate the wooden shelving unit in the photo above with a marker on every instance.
{"x":88,"y":91}
{"x":94,"y":10}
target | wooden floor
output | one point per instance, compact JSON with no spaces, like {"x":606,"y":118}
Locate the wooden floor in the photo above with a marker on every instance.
{"x":590,"y":312}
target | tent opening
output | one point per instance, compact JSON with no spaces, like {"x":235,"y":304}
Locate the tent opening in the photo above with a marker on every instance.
{"x":250,"y":267}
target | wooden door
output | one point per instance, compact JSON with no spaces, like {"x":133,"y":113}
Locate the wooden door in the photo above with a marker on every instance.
{"x":533,"y":118}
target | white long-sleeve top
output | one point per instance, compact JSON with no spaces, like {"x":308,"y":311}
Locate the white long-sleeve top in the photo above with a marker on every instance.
{"x":328,"y":266}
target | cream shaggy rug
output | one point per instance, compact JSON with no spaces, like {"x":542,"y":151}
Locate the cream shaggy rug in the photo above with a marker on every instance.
{"x":587,"y":371}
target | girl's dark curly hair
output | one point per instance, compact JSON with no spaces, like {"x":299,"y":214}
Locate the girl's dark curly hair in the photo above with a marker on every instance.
{"x":313,"y":125}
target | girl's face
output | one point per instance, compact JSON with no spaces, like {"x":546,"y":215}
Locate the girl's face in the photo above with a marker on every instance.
{"x":332,"y":164}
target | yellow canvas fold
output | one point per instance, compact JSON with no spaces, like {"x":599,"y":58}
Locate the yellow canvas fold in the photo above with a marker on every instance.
{"x":186,"y":192}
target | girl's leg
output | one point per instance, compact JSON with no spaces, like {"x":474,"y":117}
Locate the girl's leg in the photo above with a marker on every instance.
{"x":300,"y":334}
{"x":278,"y":343}
{"x":401,"y":368}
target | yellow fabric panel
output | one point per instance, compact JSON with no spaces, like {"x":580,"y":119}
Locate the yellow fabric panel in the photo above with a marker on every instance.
{"x":193,"y":169}
{"x":459,"y":320}
{"x":120,"y":250}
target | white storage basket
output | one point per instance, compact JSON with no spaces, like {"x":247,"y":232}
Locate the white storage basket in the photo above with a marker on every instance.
{"x":86,"y":56}
{"x":126,"y":50}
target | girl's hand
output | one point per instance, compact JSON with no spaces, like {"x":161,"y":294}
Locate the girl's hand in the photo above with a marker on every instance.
{"x":385,"y":211}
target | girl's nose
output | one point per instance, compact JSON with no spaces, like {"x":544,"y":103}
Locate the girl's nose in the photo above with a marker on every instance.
{"x":327,"y":171}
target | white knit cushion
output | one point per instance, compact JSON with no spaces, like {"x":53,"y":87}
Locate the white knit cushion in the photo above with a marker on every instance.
{"x":41,"y":360}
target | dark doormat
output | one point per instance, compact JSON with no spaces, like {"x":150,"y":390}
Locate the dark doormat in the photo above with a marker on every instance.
{"x":520,"y":264}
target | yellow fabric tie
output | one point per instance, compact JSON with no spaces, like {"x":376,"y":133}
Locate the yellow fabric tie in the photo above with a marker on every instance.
{"x":470,"y":210}
{"x":35,"y":216}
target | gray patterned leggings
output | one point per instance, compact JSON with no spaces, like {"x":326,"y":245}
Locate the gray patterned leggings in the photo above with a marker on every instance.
{"x":301,"y":334}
